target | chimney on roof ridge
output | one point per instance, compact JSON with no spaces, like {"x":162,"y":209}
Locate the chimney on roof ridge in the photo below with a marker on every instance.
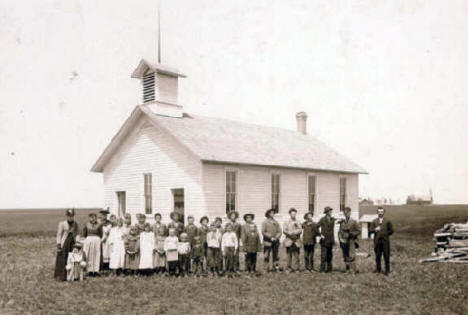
{"x":301,"y":119}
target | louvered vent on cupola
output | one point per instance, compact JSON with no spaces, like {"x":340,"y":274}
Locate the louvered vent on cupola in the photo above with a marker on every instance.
{"x":149,"y":90}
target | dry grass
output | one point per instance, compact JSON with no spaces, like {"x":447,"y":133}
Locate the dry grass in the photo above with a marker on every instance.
{"x":27,"y":285}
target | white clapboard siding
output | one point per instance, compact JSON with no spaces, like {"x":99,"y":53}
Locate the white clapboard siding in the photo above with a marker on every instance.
{"x":254,"y":190}
{"x":149,"y":149}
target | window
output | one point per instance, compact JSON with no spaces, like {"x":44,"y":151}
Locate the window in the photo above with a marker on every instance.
{"x":148,"y":88}
{"x":312,"y":182}
{"x":231,"y":189}
{"x":148,"y":193}
{"x":342,"y":193}
{"x":275,"y":192}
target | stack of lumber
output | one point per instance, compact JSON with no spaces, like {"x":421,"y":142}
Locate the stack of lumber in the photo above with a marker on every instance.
{"x":451,"y":244}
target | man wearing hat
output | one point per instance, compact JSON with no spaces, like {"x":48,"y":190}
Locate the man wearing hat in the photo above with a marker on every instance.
{"x":271,"y":231}
{"x":236,"y":228}
{"x":327,"y":240}
{"x":292,"y":230}
{"x":175,"y":223}
{"x":382,"y":229}
{"x":309,"y":235}
{"x":348,"y":234}
{"x":251,"y":243}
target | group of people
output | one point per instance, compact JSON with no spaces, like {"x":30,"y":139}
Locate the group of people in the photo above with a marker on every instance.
{"x":111,"y":243}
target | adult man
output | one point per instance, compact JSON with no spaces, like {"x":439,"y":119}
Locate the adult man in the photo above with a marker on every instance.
{"x":327,"y":240}
{"x":292,"y":230}
{"x":348,"y":234}
{"x":309,"y":239}
{"x":271,"y":231}
{"x":382,"y":229}
{"x":236,"y":228}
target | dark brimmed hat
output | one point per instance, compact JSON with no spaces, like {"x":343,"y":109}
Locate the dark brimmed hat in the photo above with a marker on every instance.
{"x":174,"y":215}
{"x":307,"y":214}
{"x":106,"y":212}
{"x":292,"y":210}
{"x":204,"y":218}
{"x":267,"y":213}
{"x":249,"y":215}
{"x":70,"y":212}
{"x":233,"y":212}
{"x":327,"y":209}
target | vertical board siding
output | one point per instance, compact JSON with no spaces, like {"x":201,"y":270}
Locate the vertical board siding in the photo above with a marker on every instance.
{"x":150,"y":150}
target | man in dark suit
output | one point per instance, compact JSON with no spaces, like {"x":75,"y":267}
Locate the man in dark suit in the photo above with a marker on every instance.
{"x":327,"y":240}
{"x":382,"y":229}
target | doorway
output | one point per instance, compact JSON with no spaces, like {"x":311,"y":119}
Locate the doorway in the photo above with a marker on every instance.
{"x":179,"y":203}
{"x":121,"y":200}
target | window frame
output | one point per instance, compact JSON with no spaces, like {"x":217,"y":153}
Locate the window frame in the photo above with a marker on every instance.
{"x":236,"y":190}
{"x":272,"y":193}
{"x":343,"y":205}
{"x":315,"y":192}
{"x":148,"y":193}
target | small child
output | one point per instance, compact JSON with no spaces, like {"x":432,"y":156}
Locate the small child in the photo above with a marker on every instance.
{"x":202,"y":232}
{"x":127,"y":224}
{"x":117,"y":247}
{"x":159,"y":254}
{"x":76,"y":263}
{"x":191,"y":229}
{"x":213,"y":239}
{"x":171,"y":244}
{"x":251,"y":243}
{"x":229,"y":245}
{"x":146,"y":250}
{"x":197,"y":256}
{"x":184,"y":254}
{"x":132,"y":251}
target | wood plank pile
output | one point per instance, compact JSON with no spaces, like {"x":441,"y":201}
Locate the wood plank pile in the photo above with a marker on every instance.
{"x":451,"y":244}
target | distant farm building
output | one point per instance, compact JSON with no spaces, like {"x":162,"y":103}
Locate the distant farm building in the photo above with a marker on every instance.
{"x":419,"y":200}
{"x":366,"y":202}
{"x":163,"y":159}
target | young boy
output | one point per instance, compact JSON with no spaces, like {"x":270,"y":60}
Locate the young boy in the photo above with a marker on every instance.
{"x":309,"y":238}
{"x":191,"y":229}
{"x":229,"y":245}
{"x":202,"y":232}
{"x":171,"y":245}
{"x":197,"y":256}
{"x":236,"y":228}
{"x":76,"y":263}
{"x":213,"y":240}
{"x":184,"y":255}
{"x":251,"y":243}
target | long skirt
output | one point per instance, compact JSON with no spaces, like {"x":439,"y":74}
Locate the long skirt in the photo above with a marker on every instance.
{"x":62,"y":257}
{"x":117,"y":255}
{"x":92,"y":249}
{"x":159,"y":260}
{"x":106,"y":252}
{"x":132,"y":261}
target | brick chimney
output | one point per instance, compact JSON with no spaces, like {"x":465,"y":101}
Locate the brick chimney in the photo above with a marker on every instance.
{"x":301,"y":119}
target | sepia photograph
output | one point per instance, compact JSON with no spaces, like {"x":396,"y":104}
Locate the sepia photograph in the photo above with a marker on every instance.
{"x":233,"y":157}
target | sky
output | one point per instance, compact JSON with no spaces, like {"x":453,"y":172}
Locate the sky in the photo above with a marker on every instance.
{"x":383,"y":82}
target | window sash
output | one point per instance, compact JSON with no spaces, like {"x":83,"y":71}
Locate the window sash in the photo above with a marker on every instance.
{"x":342,"y":193}
{"x":231,"y":190}
{"x":148,"y":192}
{"x":275,"y":192}
{"x":312,"y":186}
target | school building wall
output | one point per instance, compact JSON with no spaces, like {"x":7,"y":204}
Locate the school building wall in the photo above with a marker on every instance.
{"x":254,"y":190}
{"x":149,"y":149}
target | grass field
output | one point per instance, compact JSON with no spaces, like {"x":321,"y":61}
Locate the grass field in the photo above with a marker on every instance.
{"x":27,"y":258}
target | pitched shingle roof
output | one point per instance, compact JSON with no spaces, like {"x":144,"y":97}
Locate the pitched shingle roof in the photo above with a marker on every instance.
{"x":221,"y":140}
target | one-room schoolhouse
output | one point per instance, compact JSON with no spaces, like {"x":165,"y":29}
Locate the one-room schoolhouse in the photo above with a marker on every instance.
{"x":163,"y":159}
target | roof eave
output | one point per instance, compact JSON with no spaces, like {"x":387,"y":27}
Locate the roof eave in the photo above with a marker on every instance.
{"x":144,"y":65}
{"x":284,"y":166}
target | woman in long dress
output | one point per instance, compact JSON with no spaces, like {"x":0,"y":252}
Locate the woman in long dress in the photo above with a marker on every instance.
{"x":67,"y":233}
{"x":106,"y":226}
{"x":146,"y":249}
{"x":92,"y":244}
{"x":117,"y":247}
